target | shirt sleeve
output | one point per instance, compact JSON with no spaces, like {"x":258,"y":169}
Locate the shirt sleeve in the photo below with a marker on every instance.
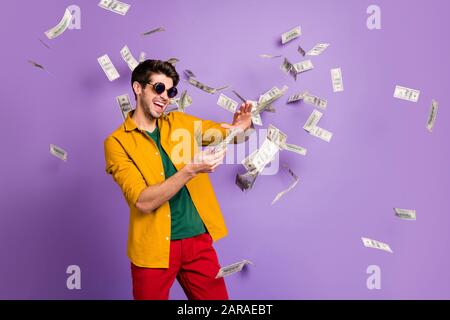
{"x":123,"y":170}
{"x":212,"y":130}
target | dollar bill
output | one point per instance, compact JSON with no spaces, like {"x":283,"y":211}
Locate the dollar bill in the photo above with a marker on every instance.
{"x":114,"y":6}
{"x":247,"y":180}
{"x":294,"y":183}
{"x":269,"y":97}
{"x":294,"y":148}
{"x":128,"y":58}
{"x":406,"y":94}
{"x":220,"y":145}
{"x":321,"y":133}
{"x":315,"y":101}
{"x":301,"y":51}
{"x":256,"y":119}
{"x":269,"y":56}
{"x":239,"y":96}
{"x":184,"y":101}
{"x":62,"y":26}
{"x":336,"y":80}
{"x":35,"y":64}
{"x":124,"y":104}
{"x":189,"y":73}
{"x":369,"y":243}
{"x":233,"y":268}
{"x":142,"y":56}
{"x":286,"y":66}
{"x":313,"y":120}
{"x":291,"y":35}
{"x":318,"y":49}
{"x":248,"y":162}
{"x":295,"y":97}
{"x":227,"y":103}
{"x":58,"y":152}
{"x":204,"y":87}
{"x":302,"y":66}
{"x":265,"y":155}
{"x":153,"y":31}
{"x":276,"y":135}
{"x":173,"y":61}
{"x":407,"y":214}
{"x":432,"y":115}
{"x":108,"y":67}
{"x":44,"y":44}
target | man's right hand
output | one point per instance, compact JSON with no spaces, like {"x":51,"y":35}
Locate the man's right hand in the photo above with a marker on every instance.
{"x":205,"y":161}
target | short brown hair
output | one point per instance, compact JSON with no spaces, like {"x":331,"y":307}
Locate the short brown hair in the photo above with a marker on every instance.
{"x":146,"y":68}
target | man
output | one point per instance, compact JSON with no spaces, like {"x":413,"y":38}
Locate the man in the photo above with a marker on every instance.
{"x":174,"y":214}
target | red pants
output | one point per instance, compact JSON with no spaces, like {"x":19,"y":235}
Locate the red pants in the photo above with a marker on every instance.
{"x":193,"y":261}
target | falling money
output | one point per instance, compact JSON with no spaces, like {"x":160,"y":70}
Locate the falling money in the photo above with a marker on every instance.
{"x":336,"y":80}
{"x":58,"y":152}
{"x":313,"y":120}
{"x":321,"y":133}
{"x":203,"y":87}
{"x":369,"y":243}
{"x":314,"y":101}
{"x":405,"y":213}
{"x":294,"y":148}
{"x":245,"y":181}
{"x":318,"y":49}
{"x":432,"y":115}
{"x":108,"y":67}
{"x":173,"y":61}
{"x":37,"y":65}
{"x":153,"y":31}
{"x":124,"y":104}
{"x":276,"y":135}
{"x":282,"y":193}
{"x":302,"y":66}
{"x":115,"y":6}
{"x":233,"y":268}
{"x":227,"y":103}
{"x":142,"y":57}
{"x":128,"y":58}
{"x":60,"y":27}
{"x":295,"y":97}
{"x":216,"y":147}
{"x":291,"y":35}
{"x":269,"y":56}
{"x":406,"y":94}
{"x":301,"y":51}
{"x":184,"y":101}
{"x":288,"y":67}
{"x":189,"y":73}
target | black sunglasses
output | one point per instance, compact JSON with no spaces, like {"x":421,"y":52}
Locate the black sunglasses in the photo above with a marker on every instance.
{"x":160,"y":87}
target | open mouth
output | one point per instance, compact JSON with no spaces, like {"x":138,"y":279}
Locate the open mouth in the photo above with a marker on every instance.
{"x":159,"y":105}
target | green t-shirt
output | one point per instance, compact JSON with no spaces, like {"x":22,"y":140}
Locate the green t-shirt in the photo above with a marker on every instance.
{"x":186,"y":221}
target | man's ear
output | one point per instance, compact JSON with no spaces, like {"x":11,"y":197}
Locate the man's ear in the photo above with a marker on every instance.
{"x":137,"y":88}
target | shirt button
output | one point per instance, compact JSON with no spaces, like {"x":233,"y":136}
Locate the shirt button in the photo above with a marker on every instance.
{"x":167,"y":238}
{"x":162,"y":173}
{"x":168,"y":216}
{"x":156,"y":153}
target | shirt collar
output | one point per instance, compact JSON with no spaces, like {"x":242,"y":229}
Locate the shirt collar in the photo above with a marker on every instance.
{"x":130,"y":125}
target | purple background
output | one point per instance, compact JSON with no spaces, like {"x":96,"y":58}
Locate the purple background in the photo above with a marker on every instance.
{"x":306,"y":246}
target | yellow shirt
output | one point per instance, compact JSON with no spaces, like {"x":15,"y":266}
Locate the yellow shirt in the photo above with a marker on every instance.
{"x":133,"y":159}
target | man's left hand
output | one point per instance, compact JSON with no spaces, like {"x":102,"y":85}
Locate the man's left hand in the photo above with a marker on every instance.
{"x":242,"y":118}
